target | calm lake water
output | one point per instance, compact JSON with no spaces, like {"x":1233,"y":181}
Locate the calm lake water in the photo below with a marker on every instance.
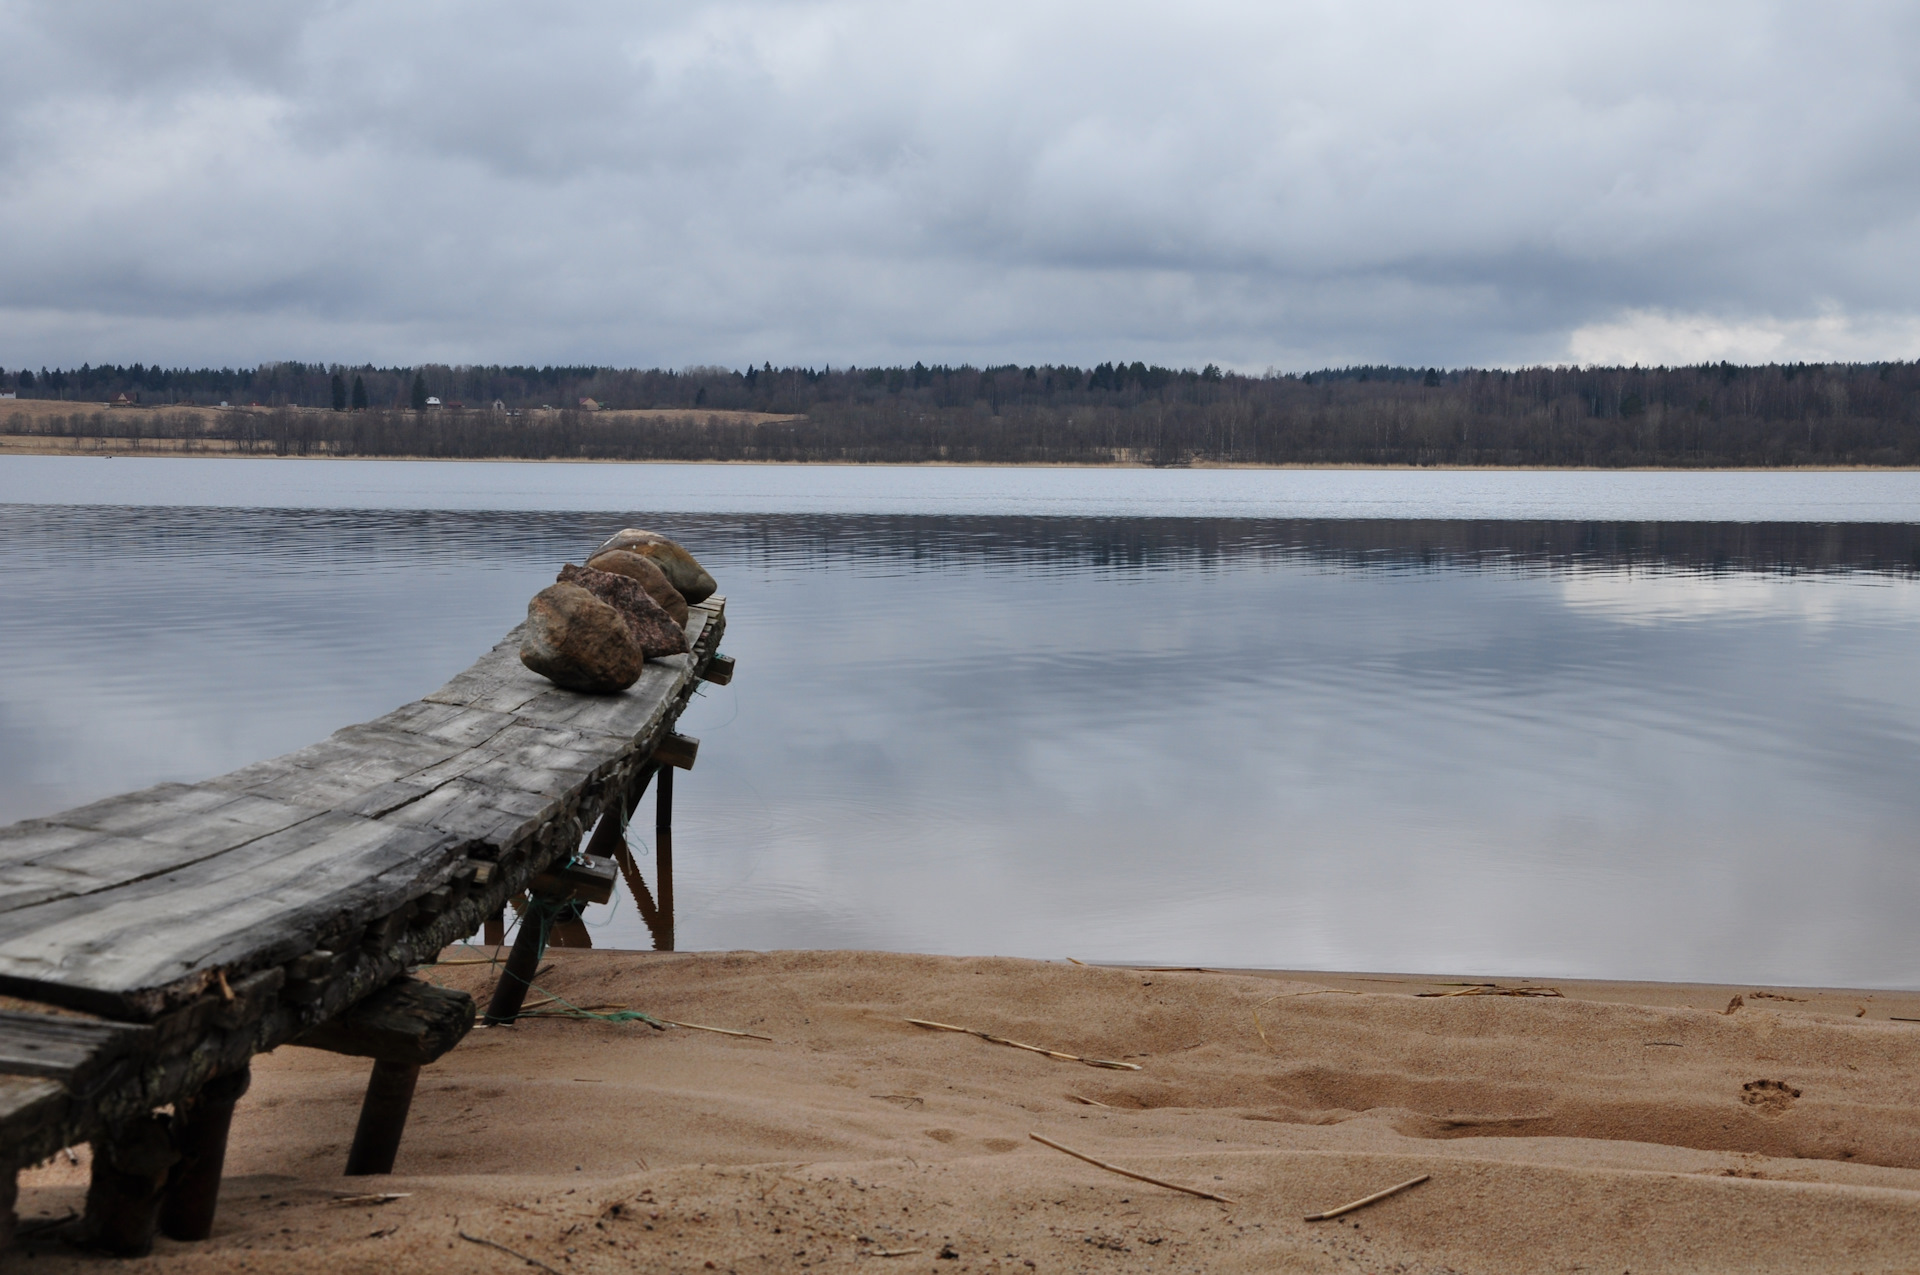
{"x":1610,"y":725}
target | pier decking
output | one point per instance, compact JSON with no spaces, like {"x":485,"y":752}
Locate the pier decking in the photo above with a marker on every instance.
{"x":152,"y":943}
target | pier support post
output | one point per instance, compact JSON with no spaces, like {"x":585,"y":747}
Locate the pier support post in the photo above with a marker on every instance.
{"x":9,"y":1195}
{"x":610,"y":834}
{"x":522,"y":963}
{"x":383,"y":1117}
{"x":129,"y":1181}
{"x":402,"y":1027}
{"x":663,"y":856}
{"x":200,"y":1136}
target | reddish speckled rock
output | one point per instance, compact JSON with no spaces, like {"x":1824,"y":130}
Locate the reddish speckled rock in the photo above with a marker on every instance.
{"x":625,"y":562}
{"x":577,"y":641}
{"x":651,"y":626}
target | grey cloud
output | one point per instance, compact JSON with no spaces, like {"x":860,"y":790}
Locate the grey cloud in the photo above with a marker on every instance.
{"x":1257,"y":184}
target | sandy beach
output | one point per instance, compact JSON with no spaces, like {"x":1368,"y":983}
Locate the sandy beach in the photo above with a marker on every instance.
{"x":1616,"y":1127}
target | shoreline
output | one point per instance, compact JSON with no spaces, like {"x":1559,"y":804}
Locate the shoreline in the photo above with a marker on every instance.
{"x":1616,"y":1126}
{"x":1879,"y":1002}
{"x":99,"y":448}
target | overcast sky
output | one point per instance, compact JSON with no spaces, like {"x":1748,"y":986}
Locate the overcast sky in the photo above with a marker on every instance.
{"x":1257,"y":184}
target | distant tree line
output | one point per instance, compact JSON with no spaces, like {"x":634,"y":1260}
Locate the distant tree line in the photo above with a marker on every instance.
{"x":1353,"y":544}
{"x":1711,"y":415}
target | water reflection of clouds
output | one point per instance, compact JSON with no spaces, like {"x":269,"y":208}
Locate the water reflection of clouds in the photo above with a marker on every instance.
{"x":1312,"y":744}
{"x":1654,"y":598}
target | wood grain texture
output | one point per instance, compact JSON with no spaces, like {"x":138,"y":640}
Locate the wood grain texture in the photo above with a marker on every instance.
{"x":134,"y":950}
{"x":31,"y":1107}
{"x":70,"y":1050}
{"x":406,"y":1022}
{"x":137,"y":904}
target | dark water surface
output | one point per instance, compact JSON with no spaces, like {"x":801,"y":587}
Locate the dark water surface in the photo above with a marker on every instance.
{"x":1613,"y":748}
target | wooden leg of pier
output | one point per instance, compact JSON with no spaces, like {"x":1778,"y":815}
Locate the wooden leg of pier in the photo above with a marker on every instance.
{"x":129,"y":1182}
{"x":200,"y":1135}
{"x":402,"y":1027}
{"x":383,"y":1117}
{"x":610,"y":841}
{"x":510,"y":993}
{"x":663,"y":856}
{"x":9,"y":1195}
{"x":568,"y":930}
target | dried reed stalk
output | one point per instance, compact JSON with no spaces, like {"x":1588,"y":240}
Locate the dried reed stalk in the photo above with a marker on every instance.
{"x":530,"y":1261}
{"x":1129,"y":1173}
{"x":1032,"y":1049}
{"x":1362,"y":1203}
{"x":1494,"y":989}
{"x":724,"y":1031}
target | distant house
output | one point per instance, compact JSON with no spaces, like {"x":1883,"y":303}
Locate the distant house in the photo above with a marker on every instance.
{"x":8,"y":394}
{"x":589,"y":405}
{"x":499,"y":406}
{"x":120,"y":400}
{"x":433,"y":402}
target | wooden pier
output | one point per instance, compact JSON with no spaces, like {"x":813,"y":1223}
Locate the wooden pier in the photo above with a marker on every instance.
{"x":152,"y":943}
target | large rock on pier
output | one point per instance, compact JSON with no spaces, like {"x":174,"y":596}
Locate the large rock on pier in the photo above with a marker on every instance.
{"x":577,"y":641}
{"x":625,"y":562}
{"x":685,"y":573}
{"x":647,"y":620}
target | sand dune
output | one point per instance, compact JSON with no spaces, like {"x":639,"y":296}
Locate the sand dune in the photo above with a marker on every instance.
{"x":1618,"y":1128}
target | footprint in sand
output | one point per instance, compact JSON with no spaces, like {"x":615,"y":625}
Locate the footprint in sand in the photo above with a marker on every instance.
{"x":1772,"y":1097}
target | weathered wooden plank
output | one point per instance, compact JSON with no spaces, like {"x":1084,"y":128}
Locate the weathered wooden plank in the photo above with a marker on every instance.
{"x":33,"y":840}
{"x":677,"y":750}
{"x":29,"y":1105}
{"x":132,"y":813}
{"x":329,"y":788}
{"x":473,"y":812}
{"x":405,"y":1022}
{"x":50,"y":861}
{"x":23,"y":885}
{"x":455,"y":724}
{"x":498,"y":681}
{"x":70,"y":1050}
{"x":530,"y":758}
{"x":640,"y":710}
{"x":208,"y":819}
{"x":133,"y":950}
{"x":131,"y":903}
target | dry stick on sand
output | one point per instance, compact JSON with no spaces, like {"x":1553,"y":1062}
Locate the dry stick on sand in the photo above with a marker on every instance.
{"x":1494,"y":989}
{"x":1362,"y":1203}
{"x":530,"y":1261}
{"x":724,"y":1031}
{"x":383,"y":1197}
{"x":1032,"y":1049}
{"x":586,"y":1013}
{"x":1129,"y":1173}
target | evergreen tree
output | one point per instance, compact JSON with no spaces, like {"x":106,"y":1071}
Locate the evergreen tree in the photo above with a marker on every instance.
{"x":339,"y":393}
{"x":359,"y":394}
{"x":419,"y":392}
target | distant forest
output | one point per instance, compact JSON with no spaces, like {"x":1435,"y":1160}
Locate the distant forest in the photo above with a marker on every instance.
{"x":1713,"y":415}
